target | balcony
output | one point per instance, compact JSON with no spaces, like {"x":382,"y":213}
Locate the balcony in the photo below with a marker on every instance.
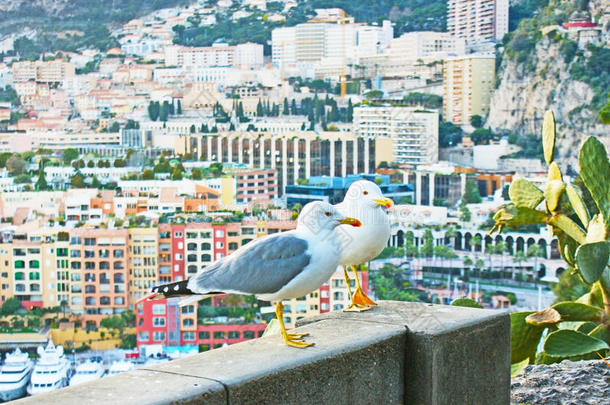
{"x":396,"y":353}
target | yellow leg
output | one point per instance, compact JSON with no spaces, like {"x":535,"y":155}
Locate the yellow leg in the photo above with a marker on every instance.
{"x":357,"y":304}
{"x":347,"y":282}
{"x":291,"y":339}
{"x":359,"y":296}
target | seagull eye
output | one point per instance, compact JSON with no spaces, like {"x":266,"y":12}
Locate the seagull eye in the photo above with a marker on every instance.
{"x":365,"y":192}
{"x":328,"y":214}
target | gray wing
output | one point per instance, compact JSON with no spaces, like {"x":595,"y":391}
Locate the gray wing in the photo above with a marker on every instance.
{"x":263,"y":266}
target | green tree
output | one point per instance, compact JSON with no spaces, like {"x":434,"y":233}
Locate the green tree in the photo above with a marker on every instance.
{"x":10,"y":306}
{"x":519,"y":258}
{"x":41,"y":183}
{"x":22,"y":179}
{"x":95,"y":183}
{"x":476,"y":121}
{"x":427,"y":249}
{"x":77,"y":181}
{"x":176,"y":174}
{"x":90,"y":164}
{"x":15,"y":165}
{"x":472,"y":195}
{"x":216,"y":169}
{"x":164,"y":111}
{"x":153,"y":110}
{"x":148,"y":175}
{"x":119,"y":163}
{"x":196,"y":174}
{"x":570,"y":287}
{"x":179,"y":108}
{"x":70,"y":154}
{"x":350,"y":111}
{"x":465,"y":214}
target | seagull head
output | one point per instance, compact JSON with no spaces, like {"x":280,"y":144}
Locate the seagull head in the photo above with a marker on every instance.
{"x":366,"y":194}
{"x":321,"y":216}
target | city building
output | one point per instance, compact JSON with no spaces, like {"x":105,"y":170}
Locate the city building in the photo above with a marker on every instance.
{"x":413,"y":131}
{"x":477,"y":20}
{"x":468,"y":83}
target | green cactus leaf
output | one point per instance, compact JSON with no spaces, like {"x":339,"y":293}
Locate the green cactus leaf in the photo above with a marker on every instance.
{"x":524,"y":194}
{"x":595,"y":173}
{"x":577,"y":312}
{"x":514,"y":217}
{"x":466,"y":302}
{"x":567,"y":246}
{"x":601,"y":332}
{"x":593,"y":297}
{"x":548,"y":136}
{"x":545,"y":317}
{"x":568,"y":343}
{"x":587,"y":327}
{"x":578,"y":205}
{"x":553,"y":193}
{"x":517,"y":368}
{"x":592,"y":259}
{"x":524,"y":337}
{"x":554,"y":172}
{"x":569,"y":227}
{"x":596,"y":232}
{"x":605,"y":278}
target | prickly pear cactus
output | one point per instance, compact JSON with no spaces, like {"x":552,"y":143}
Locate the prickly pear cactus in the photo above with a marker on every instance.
{"x":580,"y":329}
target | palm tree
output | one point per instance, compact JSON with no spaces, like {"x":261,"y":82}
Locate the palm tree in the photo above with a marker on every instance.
{"x":519,"y":258}
{"x":476,"y":241}
{"x":451,"y":233}
{"x":501,"y":249}
{"x":467,"y":264}
{"x":478,"y":264}
{"x":535,"y":251}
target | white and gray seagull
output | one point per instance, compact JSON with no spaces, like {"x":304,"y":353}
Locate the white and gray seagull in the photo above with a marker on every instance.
{"x":275,"y":267}
{"x":365,"y":201}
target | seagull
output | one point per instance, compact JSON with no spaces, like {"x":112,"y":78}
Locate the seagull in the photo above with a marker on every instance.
{"x":274,"y":267}
{"x":364,"y":200}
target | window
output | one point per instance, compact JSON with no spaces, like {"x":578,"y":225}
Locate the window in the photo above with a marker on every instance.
{"x":143,"y":336}
{"x":118,"y":253}
{"x":104,"y":253}
{"x":104,"y":265}
{"x":233,"y":246}
{"x":119,"y":300}
{"x":191,"y":246}
{"x":188,"y":335}
{"x":191,"y":269}
{"x":90,"y":289}
{"x":158,"y":321}
{"x":89,"y":241}
{"x":34,"y":264}
{"x":220,"y":234}
{"x":74,"y":253}
{"x":188,"y":309}
{"x":220,"y":245}
{"x":62,"y":252}
{"x":75,"y":240}
{"x":158,"y":336}
{"x":89,"y":265}
{"x":104,"y":300}
{"x":158,"y":309}
{"x":233,"y":334}
{"x":19,"y":264}
{"x":219,"y":335}
{"x":191,"y":258}
{"x":118,"y":265}
{"x":177,"y":234}
{"x":248,"y":334}
{"x":75,"y":265}
{"x":34,"y":287}
{"x":19,"y":275}
{"x":20,"y":287}
{"x":205,"y":235}
{"x":191,"y":235}
{"x":206,"y":258}
{"x":206,"y":246}
{"x":90,"y":301}
{"x":188,"y":323}
{"x":204,"y":334}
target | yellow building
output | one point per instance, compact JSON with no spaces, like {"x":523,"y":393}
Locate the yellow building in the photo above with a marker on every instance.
{"x":6,"y":272}
{"x":467,"y":87}
{"x":142,"y":262}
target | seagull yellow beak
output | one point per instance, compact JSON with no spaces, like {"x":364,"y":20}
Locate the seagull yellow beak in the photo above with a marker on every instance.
{"x":350,"y":221}
{"x":386,"y":202}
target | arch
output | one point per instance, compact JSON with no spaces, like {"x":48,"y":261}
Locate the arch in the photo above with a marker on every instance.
{"x":543,"y":245}
{"x":467,"y":238}
{"x":541,"y":270}
{"x":206,"y":246}
{"x":400,"y":238}
{"x":555,"y":249}
{"x":559,"y":271}
{"x":192,"y":269}
{"x":458,"y":241}
{"x":510,"y":245}
{"x":530,"y":242}
{"x":520,"y":244}
{"x":488,"y":242}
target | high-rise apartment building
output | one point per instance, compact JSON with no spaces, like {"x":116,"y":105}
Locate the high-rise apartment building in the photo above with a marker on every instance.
{"x":143,"y":256}
{"x":413,"y":131}
{"x":477,"y":20}
{"x":467,"y":87}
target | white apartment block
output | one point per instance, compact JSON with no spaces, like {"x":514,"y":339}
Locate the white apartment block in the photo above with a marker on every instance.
{"x":414,"y":132}
{"x":6,"y":76}
{"x":45,"y":72}
{"x":283,"y":48}
{"x":248,"y":56}
{"x":244,"y":56}
{"x":478,"y":20}
{"x":425,"y":45}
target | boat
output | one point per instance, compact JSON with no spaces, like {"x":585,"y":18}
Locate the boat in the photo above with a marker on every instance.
{"x":51,"y":372}
{"x":15,"y":375}
{"x":87,"y":371}
{"x":120,"y":366}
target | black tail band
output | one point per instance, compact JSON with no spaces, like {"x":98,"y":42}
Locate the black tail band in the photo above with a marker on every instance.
{"x":175,"y":289}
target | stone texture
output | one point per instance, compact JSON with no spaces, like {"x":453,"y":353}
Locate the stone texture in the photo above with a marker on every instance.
{"x":454,"y":354}
{"x":135,"y":388}
{"x":565,"y":383}
{"x":395,"y":353}
{"x":351,"y":362}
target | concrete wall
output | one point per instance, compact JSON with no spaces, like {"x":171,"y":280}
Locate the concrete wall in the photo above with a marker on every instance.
{"x":398,"y":352}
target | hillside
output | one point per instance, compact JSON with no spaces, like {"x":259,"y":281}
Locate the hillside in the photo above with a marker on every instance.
{"x":542,"y":69}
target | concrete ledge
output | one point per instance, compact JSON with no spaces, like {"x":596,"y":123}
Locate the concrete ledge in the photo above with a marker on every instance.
{"x":396,"y":353}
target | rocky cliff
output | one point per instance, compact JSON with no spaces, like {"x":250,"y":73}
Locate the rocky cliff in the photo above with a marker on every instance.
{"x":544,"y":81}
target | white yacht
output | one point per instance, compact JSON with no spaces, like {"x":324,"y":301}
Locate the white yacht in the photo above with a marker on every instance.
{"x":87,"y":371}
{"x":120,"y":367}
{"x":51,"y":372}
{"x":15,"y":375}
